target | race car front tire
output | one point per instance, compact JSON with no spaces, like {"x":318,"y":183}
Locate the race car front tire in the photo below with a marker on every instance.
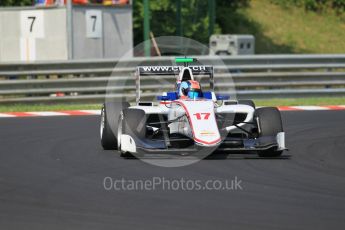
{"x":269,"y":124}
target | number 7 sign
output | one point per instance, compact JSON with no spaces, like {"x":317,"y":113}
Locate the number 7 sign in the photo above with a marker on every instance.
{"x":32,"y":24}
{"x":93,"y":23}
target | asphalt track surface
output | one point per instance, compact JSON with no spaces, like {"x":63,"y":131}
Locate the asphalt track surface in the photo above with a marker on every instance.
{"x":52,"y":171}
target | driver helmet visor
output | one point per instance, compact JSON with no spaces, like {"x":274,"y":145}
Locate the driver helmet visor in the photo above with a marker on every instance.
{"x":194,"y":94}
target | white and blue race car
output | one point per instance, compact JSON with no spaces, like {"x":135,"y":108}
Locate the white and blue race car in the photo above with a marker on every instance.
{"x":189,"y":119}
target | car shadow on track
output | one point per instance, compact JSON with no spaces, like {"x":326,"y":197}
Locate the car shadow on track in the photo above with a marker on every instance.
{"x":253,"y":156}
{"x":213,"y":156}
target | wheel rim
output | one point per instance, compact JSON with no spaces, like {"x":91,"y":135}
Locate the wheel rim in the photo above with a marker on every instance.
{"x":119,"y":133}
{"x":102,"y":123}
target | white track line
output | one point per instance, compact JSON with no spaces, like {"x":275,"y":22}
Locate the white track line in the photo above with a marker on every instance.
{"x":95,"y":112}
{"x":6,"y":115}
{"x":310,"y":107}
{"x":47,"y":113}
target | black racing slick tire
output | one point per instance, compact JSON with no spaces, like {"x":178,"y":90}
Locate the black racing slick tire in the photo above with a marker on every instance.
{"x":247,"y":102}
{"x":110,"y":114}
{"x":269,"y":124}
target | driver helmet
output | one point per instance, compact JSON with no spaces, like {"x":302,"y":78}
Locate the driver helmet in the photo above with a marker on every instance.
{"x":191,"y":89}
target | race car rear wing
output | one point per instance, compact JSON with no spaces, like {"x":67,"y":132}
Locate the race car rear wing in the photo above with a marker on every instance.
{"x":171,"y":70}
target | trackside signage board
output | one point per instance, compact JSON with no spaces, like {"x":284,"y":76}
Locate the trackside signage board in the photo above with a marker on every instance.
{"x":93,"y":23}
{"x":167,"y":70}
{"x":32,"y":24}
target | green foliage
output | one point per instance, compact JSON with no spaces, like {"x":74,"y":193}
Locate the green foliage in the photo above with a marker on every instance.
{"x":228,"y":17}
{"x":314,"y":5}
{"x":15,"y":2}
{"x":289,"y":30}
{"x":163,"y":7}
{"x":194,"y":15}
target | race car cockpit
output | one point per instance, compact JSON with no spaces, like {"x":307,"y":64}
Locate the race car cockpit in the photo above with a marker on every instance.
{"x":187,"y":87}
{"x":190,"y":89}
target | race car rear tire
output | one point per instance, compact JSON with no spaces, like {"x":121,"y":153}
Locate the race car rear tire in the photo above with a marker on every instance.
{"x":247,"y":102}
{"x":269,"y":124}
{"x":109,"y":123}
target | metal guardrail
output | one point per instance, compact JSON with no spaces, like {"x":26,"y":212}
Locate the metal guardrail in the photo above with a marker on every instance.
{"x":254,"y":76}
